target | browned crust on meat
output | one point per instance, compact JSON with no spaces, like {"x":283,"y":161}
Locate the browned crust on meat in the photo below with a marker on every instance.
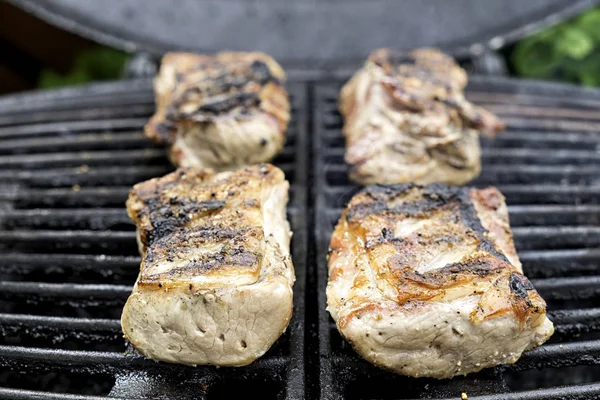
{"x":450,"y":218}
{"x":406,"y":120}
{"x":227,"y":85}
{"x":190,"y":209}
{"x":429,"y":81}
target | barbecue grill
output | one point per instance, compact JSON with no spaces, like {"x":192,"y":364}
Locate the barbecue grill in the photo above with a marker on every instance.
{"x":68,"y":254}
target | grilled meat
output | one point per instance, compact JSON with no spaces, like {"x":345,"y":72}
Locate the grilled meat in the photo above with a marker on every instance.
{"x":215,"y":283}
{"x":221,"y":112}
{"x":425,"y":281}
{"x":406,"y":120}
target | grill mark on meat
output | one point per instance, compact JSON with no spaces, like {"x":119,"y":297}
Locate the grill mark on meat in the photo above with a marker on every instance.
{"x":167,"y":217}
{"x":414,"y":285}
{"x":423,"y":203}
{"x":519,"y":285}
{"x":208,"y":262}
{"x":432,"y":198}
{"x":190,"y":224}
{"x":243,"y":99}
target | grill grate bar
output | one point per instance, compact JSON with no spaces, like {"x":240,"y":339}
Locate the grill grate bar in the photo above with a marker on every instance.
{"x":60,"y":323}
{"x":569,"y":288}
{"x":69,"y":239}
{"x":539,"y":156}
{"x":545,"y":112}
{"x":553,"y":237}
{"x":100,"y":158}
{"x":23,"y":394}
{"x":87,"y":218}
{"x":96,"y":361}
{"x":94,"y":176}
{"x":91,"y":260}
{"x":574,"y":283}
{"x":109,"y":112}
{"x":560,"y":355}
{"x":560,"y":263}
{"x":72,"y":290}
{"x":489,"y":97}
{"x":100,"y":93}
{"x":75,"y":268}
{"x":526,"y":174}
{"x":65,"y":197}
{"x":82,"y":127}
{"x":550,"y":194}
{"x":78,"y":158}
{"x":579,"y":320}
{"x":90,"y":176}
{"x":540,"y":215}
{"x":551,"y":124}
{"x":113,"y":140}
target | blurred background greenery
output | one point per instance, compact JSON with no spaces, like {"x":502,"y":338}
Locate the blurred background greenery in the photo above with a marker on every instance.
{"x":566,"y":52}
{"x":37,"y":55}
{"x":95,"y":64}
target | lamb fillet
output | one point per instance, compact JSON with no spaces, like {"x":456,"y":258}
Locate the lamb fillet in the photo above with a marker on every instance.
{"x":215,"y":283}
{"x":222,"y":112}
{"x":425,"y":281}
{"x":406,"y":120}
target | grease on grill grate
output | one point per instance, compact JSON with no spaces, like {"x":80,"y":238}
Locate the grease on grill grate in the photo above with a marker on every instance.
{"x":548,"y":165}
{"x":68,"y":255}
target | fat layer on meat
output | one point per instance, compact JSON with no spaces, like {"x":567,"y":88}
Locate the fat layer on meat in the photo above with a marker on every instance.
{"x":406,"y":120}
{"x":426,"y":281}
{"x":221,"y":112}
{"x":215,"y":282}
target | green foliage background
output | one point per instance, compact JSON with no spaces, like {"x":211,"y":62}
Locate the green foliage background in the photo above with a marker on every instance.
{"x":96,"y":64}
{"x":568,"y":52}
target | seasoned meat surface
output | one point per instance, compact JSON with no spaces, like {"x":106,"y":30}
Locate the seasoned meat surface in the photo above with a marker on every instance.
{"x":406,"y":120}
{"x":426,"y":281}
{"x":215,"y":283}
{"x":222,"y":112}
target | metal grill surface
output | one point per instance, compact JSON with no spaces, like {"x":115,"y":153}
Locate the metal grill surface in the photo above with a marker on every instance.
{"x":68,"y":255}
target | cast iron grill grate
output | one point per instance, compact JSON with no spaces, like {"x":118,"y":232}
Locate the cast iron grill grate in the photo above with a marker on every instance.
{"x":68,"y":255}
{"x":548,"y":165}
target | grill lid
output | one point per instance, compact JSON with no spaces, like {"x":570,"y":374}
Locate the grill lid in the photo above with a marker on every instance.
{"x":323,"y":31}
